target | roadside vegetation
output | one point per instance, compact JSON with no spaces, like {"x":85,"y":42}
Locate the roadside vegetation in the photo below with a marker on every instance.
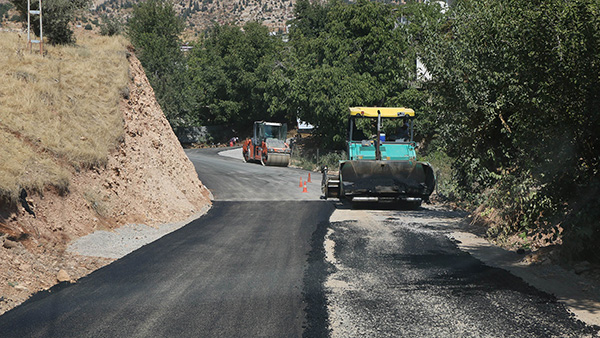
{"x":58,"y":112}
{"x":508,"y":110}
{"x":516,"y":99}
{"x":307,"y":154}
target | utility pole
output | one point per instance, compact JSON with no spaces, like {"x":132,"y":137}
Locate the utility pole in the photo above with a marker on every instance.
{"x":41,"y":35}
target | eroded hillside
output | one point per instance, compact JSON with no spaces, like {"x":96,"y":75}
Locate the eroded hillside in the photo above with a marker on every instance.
{"x":85,"y":147}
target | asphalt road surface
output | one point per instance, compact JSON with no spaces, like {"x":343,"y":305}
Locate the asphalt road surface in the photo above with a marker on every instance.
{"x":270,"y":260}
{"x":229,"y":179}
{"x":238,"y":271}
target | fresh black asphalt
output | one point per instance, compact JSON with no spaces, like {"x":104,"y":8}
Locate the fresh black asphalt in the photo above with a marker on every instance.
{"x":236,"y":272}
{"x":241,"y":270}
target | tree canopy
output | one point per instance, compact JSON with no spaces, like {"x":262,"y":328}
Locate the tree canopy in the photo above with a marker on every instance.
{"x":234,"y":71}
{"x":154,"y":30}
{"x":346,"y":55}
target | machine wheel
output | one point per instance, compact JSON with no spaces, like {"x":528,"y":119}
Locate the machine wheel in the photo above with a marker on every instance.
{"x":274,"y":159}
{"x":263,"y":159}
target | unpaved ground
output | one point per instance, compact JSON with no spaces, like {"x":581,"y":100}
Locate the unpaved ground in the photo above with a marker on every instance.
{"x":148,"y":180}
{"x":414,"y":273}
{"x":126,"y":239}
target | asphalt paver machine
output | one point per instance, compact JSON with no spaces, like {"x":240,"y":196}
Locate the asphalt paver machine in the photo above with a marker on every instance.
{"x":382,"y":164}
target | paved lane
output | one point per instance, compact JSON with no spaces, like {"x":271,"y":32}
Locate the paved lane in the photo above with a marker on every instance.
{"x":240,"y":270}
{"x":230,"y":179}
{"x":267,"y":260}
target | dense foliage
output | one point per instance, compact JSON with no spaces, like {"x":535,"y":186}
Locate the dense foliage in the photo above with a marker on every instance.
{"x":57,"y":17}
{"x":111,"y":26}
{"x":235,"y":76}
{"x":517,"y":87}
{"x":347,"y":55}
{"x":154,"y":30}
{"x":4,"y":8}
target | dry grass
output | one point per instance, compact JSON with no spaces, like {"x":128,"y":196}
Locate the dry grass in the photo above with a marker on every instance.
{"x":58,"y":110}
{"x":22,"y":167}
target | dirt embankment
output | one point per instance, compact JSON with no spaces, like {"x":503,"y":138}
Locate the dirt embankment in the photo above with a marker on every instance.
{"x":148,"y":179}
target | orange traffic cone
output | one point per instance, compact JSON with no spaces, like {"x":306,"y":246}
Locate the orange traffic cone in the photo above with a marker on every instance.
{"x":304,"y":190}
{"x":309,"y":181}
{"x":300,"y":182}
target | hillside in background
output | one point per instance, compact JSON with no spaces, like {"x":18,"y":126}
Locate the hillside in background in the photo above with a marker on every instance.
{"x":201,"y":14}
{"x":198,"y":15}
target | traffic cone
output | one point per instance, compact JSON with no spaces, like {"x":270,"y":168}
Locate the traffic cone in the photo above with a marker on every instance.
{"x":300,"y":182}
{"x":304,"y":190}
{"x":309,"y":181}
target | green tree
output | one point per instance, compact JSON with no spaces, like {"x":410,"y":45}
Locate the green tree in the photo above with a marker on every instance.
{"x":154,"y":30}
{"x":111,"y":26}
{"x":346,"y":55}
{"x":518,"y":92}
{"x":57,"y":18}
{"x":236,"y":74}
{"x":4,"y":8}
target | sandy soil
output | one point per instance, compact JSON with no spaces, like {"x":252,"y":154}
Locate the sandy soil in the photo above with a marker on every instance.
{"x":148,"y":181}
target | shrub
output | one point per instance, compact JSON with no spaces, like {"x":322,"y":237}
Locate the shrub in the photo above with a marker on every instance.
{"x":111,"y":26}
{"x":4,"y":8}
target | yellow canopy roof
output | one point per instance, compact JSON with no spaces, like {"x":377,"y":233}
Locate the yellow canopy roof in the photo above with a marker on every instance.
{"x":385,"y":111}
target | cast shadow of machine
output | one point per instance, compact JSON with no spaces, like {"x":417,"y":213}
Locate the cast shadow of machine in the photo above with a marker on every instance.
{"x":395,"y":205}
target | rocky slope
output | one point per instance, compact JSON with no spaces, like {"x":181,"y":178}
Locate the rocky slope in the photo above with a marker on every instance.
{"x":148,"y":179}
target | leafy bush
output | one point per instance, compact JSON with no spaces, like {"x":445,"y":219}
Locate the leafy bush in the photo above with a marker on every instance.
{"x":4,"y":8}
{"x":88,"y":27}
{"x":315,"y":161}
{"x":111,"y":26}
{"x":446,"y":186}
{"x":519,"y":109}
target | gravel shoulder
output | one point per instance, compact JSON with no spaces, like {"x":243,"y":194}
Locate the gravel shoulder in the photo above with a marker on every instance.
{"x":119,"y":242}
{"x":126,"y":239}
